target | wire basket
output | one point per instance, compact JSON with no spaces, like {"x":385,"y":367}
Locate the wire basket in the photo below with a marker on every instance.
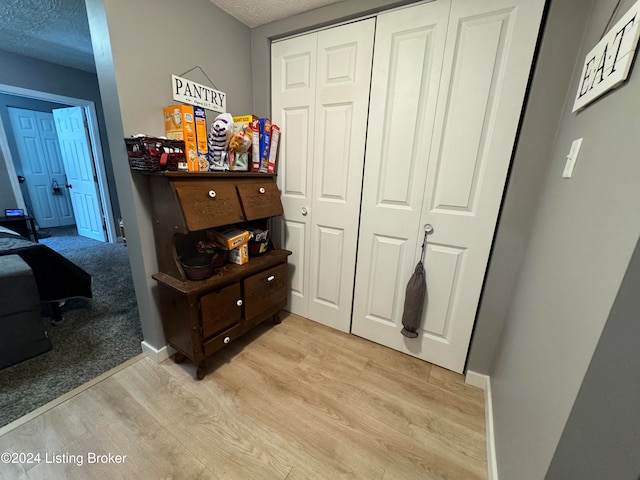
{"x":154,"y":154}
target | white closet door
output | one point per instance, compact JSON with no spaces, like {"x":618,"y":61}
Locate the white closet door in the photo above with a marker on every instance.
{"x":293,"y":97}
{"x":489,"y":48}
{"x":404,"y":89}
{"x":325,"y":218}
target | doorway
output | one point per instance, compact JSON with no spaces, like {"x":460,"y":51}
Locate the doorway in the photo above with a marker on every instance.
{"x":93,"y":135}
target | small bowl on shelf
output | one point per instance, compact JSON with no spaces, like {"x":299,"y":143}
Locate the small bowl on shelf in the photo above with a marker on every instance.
{"x":198,"y":267}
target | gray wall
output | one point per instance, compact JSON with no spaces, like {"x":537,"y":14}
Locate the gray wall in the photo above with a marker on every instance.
{"x":262,"y":36}
{"x":557,"y":57}
{"x":137,"y":46}
{"x":24,"y":72}
{"x":602,"y":435}
{"x":583,"y":236}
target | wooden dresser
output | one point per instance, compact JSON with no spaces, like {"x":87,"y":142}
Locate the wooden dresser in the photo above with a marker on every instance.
{"x":201,"y":317}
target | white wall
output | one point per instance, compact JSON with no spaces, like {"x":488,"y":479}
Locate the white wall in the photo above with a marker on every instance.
{"x":137,"y":46}
{"x":583,"y":235}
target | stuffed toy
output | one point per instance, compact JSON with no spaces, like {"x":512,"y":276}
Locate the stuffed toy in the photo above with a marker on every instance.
{"x":219,"y":135}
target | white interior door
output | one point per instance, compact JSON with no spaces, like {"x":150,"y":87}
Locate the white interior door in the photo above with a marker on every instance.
{"x":324,"y":124}
{"x":487,"y":58}
{"x":81,"y":177}
{"x":42,"y":167}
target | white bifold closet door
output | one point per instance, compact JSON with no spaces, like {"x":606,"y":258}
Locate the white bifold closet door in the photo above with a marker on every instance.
{"x":320,"y":96}
{"x":449,"y":79}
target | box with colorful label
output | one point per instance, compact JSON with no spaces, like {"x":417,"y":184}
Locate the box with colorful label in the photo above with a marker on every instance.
{"x":200,"y":118}
{"x":229,"y":237}
{"x":265,"y":143}
{"x":255,"y":144}
{"x":239,"y":255}
{"x":241,"y":159}
{"x":273,"y":148}
{"x":179,"y":124}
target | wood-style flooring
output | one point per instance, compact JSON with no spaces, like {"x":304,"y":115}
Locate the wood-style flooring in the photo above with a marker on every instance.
{"x":290,"y":401}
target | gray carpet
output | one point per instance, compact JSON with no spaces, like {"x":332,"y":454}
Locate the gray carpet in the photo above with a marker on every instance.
{"x":97,"y":334}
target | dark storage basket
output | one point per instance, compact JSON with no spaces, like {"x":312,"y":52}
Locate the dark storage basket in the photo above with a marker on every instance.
{"x":153,"y":154}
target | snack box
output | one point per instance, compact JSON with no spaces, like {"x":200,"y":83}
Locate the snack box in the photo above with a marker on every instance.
{"x":273,"y":149}
{"x":229,"y":237}
{"x":239,"y":255}
{"x":200,"y":118}
{"x":179,"y":124}
{"x":255,"y":144}
{"x":265,"y":142}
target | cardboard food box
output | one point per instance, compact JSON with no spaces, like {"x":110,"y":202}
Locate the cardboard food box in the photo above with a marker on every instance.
{"x":265,"y":143}
{"x":179,"y":124}
{"x":229,"y":237}
{"x":255,"y":144}
{"x":273,"y":149}
{"x":200,"y":118}
{"x":241,"y":160}
{"x":239,"y":255}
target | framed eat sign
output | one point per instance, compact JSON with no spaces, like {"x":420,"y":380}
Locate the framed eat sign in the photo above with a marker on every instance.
{"x":608,"y":64}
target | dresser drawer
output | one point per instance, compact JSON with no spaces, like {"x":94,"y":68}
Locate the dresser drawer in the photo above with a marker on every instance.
{"x":260,"y":200}
{"x":221,"y":309}
{"x":226,"y":337}
{"x":265,"y":293}
{"x":207,"y":204}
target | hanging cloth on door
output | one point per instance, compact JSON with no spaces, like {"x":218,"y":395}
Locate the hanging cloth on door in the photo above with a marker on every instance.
{"x":414,"y":299}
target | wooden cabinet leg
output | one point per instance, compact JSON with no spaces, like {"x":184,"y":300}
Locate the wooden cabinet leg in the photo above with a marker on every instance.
{"x":276,"y":319}
{"x":200,"y":371}
{"x":179,"y":357}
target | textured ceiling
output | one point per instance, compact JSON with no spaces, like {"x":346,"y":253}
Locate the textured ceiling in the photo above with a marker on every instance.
{"x":52,"y":30}
{"x":58,"y":31}
{"x":257,"y":12}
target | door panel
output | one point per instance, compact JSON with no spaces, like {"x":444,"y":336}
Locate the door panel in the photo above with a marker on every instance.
{"x":78,"y":163}
{"x":482,"y":80}
{"x":293,"y":84}
{"x":320,"y":92}
{"x":39,"y":155}
{"x":406,"y":73}
{"x":342,"y":97}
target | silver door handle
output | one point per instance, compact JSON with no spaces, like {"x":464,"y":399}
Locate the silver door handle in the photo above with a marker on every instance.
{"x":428,"y":229}
{"x":304,"y":211}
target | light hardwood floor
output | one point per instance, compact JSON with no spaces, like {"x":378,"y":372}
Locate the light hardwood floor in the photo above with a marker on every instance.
{"x":290,"y":401}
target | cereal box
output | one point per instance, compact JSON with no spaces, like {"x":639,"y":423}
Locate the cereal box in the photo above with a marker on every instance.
{"x":200,"y":119}
{"x":179,"y":124}
{"x":241,"y":159}
{"x":273,"y":149}
{"x":255,"y":145}
{"x":265,"y":143}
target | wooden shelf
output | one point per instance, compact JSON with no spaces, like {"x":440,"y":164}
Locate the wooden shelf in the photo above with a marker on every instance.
{"x":225,"y":275}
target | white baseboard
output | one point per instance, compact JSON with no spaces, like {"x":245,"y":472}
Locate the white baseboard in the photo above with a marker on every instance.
{"x":484,"y":382}
{"x":157,"y":355}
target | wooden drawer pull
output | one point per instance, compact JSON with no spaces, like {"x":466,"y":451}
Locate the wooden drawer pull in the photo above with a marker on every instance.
{"x":226,"y":340}
{"x":239,"y":303}
{"x":212,"y":193}
{"x":270,"y":278}
{"x":261,"y":190}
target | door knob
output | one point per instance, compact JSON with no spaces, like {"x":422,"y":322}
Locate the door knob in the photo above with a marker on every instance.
{"x":239,"y":303}
{"x":212,"y":193}
{"x":428,"y":229}
{"x":68,"y":185}
{"x":304,"y":211}
{"x":261,"y":190}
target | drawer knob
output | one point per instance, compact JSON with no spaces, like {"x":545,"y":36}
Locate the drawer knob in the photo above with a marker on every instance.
{"x":239,"y":303}
{"x":270,"y":278}
{"x":212,"y":193}
{"x":226,"y":340}
{"x":261,"y":190}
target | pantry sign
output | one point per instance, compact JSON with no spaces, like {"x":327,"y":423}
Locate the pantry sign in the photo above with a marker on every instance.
{"x":193,"y":93}
{"x":608,"y":64}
